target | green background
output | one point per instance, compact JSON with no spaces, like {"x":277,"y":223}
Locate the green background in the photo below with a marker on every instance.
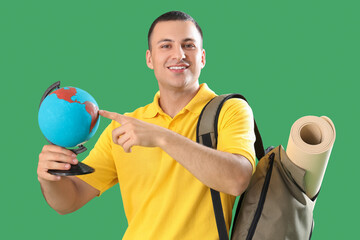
{"x":289,"y":58}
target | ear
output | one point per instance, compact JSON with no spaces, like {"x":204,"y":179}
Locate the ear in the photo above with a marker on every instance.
{"x":203,"y":59}
{"x":148,"y":59}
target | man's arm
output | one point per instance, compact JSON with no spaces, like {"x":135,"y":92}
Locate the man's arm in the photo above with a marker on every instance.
{"x":63,"y":194}
{"x":222,"y":171}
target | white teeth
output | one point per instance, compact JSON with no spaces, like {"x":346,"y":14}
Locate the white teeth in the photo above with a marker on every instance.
{"x":177,"y":68}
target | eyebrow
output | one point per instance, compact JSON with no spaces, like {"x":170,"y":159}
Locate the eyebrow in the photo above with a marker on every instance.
{"x":169,"y":40}
{"x":189,"y":40}
{"x":165,"y":40}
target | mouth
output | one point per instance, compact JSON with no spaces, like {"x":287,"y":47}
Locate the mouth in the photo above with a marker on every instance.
{"x":178,"y":68}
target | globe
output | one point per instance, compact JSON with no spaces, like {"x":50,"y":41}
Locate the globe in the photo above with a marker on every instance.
{"x":68,"y":117}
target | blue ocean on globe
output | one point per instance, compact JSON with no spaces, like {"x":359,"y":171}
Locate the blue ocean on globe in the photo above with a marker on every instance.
{"x":68,"y":117}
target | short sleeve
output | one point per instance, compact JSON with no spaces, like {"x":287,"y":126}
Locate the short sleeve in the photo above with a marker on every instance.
{"x":101,"y":159}
{"x":236,"y":129}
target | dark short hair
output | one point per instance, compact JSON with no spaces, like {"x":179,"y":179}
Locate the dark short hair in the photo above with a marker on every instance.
{"x":173,"y":16}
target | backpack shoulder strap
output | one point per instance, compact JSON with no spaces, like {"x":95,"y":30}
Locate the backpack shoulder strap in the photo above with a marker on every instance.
{"x":206,"y":134}
{"x":207,"y":131}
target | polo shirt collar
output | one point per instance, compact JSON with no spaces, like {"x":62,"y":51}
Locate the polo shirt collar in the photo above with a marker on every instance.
{"x":196,"y":104}
{"x":204,"y":95}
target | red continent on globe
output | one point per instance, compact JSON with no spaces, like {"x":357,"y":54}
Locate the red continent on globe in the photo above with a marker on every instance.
{"x":91,"y":108}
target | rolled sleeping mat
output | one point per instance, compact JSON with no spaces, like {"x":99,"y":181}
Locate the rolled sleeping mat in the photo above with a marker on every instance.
{"x":309,"y":147}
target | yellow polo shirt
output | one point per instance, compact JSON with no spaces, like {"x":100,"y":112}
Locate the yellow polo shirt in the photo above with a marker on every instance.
{"x":162,"y":200}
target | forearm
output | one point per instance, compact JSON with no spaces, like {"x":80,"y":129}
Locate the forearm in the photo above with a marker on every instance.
{"x":222,"y":171}
{"x":60,"y":195}
{"x":225,"y":172}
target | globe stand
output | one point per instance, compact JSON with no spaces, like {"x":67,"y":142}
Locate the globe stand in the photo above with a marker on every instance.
{"x":78,"y":169}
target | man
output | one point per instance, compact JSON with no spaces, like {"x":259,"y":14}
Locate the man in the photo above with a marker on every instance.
{"x":164,"y":175}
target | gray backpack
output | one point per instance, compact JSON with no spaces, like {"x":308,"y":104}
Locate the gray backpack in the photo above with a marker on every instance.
{"x":274,"y":206}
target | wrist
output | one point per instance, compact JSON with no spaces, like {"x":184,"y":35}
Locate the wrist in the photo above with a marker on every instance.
{"x":164,"y":138}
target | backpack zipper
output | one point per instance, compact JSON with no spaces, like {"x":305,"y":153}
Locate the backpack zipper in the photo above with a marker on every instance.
{"x":262,"y":199}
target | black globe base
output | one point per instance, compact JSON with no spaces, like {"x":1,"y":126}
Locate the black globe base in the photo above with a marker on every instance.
{"x":78,"y":169}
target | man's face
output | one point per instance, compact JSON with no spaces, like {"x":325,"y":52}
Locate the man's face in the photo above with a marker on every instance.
{"x":176,"y":54}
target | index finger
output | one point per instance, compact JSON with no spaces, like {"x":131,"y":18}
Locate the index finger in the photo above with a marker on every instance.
{"x":57,"y":149}
{"x":111,"y":115}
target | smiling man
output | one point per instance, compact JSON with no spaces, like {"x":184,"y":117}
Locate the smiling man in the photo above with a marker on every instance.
{"x":163,"y":174}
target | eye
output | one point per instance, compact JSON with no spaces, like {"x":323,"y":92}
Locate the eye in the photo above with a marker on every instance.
{"x":189,"y":45}
{"x":165,"y":46}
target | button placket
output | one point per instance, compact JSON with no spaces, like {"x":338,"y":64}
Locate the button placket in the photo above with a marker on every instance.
{"x":171,"y":125}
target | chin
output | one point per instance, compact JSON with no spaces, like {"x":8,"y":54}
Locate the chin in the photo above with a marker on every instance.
{"x":182,"y":83}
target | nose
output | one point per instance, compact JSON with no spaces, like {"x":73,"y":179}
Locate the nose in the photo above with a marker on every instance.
{"x":178,"y":53}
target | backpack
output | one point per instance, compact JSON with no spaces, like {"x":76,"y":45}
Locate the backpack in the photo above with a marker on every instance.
{"x":274,"y":206}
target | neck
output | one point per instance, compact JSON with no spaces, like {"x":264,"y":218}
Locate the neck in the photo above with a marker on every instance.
{"x":171,"y":102}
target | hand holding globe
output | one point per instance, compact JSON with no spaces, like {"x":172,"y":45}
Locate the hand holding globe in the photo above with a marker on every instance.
{"x":68,"y":117}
